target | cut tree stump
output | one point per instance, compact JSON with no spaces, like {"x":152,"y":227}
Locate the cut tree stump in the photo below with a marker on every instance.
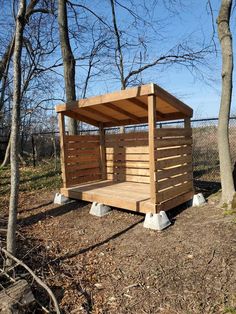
{"x":16,"y":298}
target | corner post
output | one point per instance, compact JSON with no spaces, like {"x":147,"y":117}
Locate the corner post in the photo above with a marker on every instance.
{"x":187,"y":125}
{"x":102,"y":151}
{"x":151,"y":141}
{"x":61,"y":122}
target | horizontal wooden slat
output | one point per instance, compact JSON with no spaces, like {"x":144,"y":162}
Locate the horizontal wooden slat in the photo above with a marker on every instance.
{"x":131,"y":178}
{"x":173,"y":181}
{"x":162,"y":132}
{"x":129,"y":164}
{"x":126,"y":136}
{"x":77,"y":180}
{"x":83,"y":172}
{"x":78,"y":166}
{"x":82,"y":138}
{"x":128,"y":150}
{"x":167,"y":173}
{"x":127,"y":157}
{"x":81,"y":158}
{"x":69,"y":145}
{"x":84,"y":150}
{"x":173,"y":142}
{"x":174,"y":191}
{"x":176,"y":201}
{"x":134,"y":171}
{"x":133,"y":143}
{"x":168,"y":152}
{"x":165,"y":163}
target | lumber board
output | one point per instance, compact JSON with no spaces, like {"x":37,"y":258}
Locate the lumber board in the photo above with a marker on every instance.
{"x":82,"y":138}
{"x":83,"y":172}
{"x":61,"y":123}
{"x":128,"y":150}
{"x":174,"y":181}
{"x":176,"y":151}
{"x":176,"y":201}
{"x":175,"y":161}
{"x":74,"y":181}
{"x":102,"y":151}
{"x":85,"y":165}
{"x":127,"y":157}
{"x":168,"y":173}
{"x":174,"y":191}
{"x":135,"y":171}
{"x":173,"y":132}
{"x":80,"y":158}
{"x":129,"y":164}
{"x":70,"y":145}
{"x":126,"y":177}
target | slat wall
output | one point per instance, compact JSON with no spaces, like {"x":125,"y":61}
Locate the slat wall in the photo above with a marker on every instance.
{"x":127,"y":159}
{"x":82,"y":159}
{"x":174,"y":163}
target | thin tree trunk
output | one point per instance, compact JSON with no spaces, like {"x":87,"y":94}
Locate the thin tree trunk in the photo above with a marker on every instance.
{"x":68,"y":60}
{"x":7,"y":155}
{"x":225,"y":37}
{"x":11,"y":230}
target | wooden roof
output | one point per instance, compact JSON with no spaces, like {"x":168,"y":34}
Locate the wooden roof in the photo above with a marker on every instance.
{"x":126,"y":107}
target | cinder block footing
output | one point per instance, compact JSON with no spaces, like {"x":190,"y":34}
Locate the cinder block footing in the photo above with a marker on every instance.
{"x":60,"y":199}
{"x":198,"y":200}
{"x":156,"y":221}
{"x":99,"y":210}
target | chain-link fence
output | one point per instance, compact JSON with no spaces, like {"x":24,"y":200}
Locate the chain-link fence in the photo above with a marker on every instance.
{"x":46,"y":146}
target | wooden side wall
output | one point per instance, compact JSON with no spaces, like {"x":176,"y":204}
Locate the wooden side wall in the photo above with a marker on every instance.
{"x":127,"y":159}
{"x":82,"y":158}
{"x":174,"y":166}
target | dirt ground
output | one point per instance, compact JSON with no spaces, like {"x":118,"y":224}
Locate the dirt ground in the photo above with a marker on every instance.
{"x":114,"y":265}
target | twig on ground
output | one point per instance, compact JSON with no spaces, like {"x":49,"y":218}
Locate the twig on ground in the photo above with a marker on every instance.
{"x":36,"y":278}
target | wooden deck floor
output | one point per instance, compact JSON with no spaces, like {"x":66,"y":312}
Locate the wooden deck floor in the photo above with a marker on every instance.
{"x":126,"y":195}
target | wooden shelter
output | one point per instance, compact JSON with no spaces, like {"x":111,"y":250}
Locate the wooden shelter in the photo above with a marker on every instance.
{"x":140,"y":171}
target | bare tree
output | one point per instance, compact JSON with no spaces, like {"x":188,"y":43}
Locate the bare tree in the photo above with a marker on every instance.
{"x":225,"y":37}
{"x":68,"y":60}
{"x":11,"y":230}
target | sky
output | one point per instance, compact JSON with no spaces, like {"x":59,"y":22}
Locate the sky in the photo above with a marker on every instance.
{"x":190,"y":22}
{"x":193,"y":22}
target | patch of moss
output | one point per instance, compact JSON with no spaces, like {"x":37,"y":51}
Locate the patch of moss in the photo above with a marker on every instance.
{"x":229,"y":212}
{"x":231,"y":310}
{"x":224,"y":206}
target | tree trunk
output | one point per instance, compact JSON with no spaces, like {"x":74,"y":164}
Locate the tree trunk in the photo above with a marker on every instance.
{"x":68,"y":60}
{"x":11,"y":230}
{"x":225,"y":37}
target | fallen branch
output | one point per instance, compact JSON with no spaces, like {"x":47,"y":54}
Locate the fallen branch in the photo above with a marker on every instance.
{"x":36,"y":278}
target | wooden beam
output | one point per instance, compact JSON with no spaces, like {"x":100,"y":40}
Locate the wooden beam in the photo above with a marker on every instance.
{"x":173,"y":101}
{"x":151,"y":141}
{"x":122,"y":111}
{"x":80,"y":117}
{"x":138,"y":103}
{"x":61,"y":123}
{"x":102,"y":115}
{"x":102,"y":152}
{"x":187,"y":125}
{"x":142,"y":90}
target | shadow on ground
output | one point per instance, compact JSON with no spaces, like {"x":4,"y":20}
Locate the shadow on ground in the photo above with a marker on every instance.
{"x":53,"y":212}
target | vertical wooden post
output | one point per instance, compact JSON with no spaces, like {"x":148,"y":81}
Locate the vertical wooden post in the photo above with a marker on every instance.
{"x":102,"y":151}
{"x":151,"y":141}
{"x":187,"y":125}
{"x":61,"y":122}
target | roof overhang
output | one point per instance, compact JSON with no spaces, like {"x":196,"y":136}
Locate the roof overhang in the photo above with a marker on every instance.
{"x":126,"y":107}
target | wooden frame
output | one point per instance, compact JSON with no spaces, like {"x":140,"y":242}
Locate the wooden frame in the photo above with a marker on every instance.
{"x":143,"y":171}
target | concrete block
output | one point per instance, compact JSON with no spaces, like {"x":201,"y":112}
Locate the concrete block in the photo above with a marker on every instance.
{"x":198,"y":200}
{"x":156,"y":221}
{"x":99,"y":210}
{"x":60,"y":199}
